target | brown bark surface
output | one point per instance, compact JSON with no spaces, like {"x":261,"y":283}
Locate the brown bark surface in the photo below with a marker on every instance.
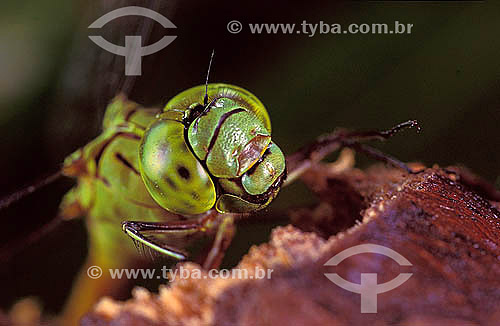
{"x":444,"y":221}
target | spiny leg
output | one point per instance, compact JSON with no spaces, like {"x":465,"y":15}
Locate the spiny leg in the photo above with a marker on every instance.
{"x":303,"y":159}
{"x":223,"y":223}
{"x":136,"y":231}
{"x":383,"y":134}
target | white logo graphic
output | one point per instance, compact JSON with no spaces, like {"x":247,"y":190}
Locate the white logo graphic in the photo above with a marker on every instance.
{"x":94,"y":272}
{"x":133,"y":51}
{"x":234,"y":27}
{"x":368,"y":287}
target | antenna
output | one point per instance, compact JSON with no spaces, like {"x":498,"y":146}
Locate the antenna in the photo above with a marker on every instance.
{"x":16,"y":196}
{"x":205,"y":100}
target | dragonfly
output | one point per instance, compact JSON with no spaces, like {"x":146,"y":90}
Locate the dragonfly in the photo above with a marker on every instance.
{"x":145,"y":165}
{"x":160,"y":176}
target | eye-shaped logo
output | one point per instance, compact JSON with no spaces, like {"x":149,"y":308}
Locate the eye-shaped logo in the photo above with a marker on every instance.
{"x":133,"y":51}
{"x":368,"y":288}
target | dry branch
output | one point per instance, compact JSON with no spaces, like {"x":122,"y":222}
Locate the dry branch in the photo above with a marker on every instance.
{"x":441,"y":220}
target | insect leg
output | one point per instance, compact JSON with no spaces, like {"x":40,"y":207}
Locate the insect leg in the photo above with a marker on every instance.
{"x":303,"y":159}
{"x":384,"y":134}
{"x":378,"y":155}
{"x":14,"y":247}
{"x":137,"y":230}
{"x":223,"y":238}
{"x":222,"y":223}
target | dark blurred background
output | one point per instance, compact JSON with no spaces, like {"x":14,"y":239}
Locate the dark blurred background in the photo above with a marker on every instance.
{"x":55,"y":84}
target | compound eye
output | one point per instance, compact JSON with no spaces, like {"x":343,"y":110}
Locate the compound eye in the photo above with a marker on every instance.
{"x":229,"y":139}
{"x":265,"y":172}
{"x":171,"y":173}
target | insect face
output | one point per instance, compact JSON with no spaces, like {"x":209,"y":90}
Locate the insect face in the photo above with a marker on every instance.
{"x":196,"y":157}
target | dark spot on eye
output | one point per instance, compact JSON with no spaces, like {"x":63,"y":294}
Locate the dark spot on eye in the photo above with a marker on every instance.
{"x":171,"y":183}
{"x":195,"y":195}
{"x":183,"y":172}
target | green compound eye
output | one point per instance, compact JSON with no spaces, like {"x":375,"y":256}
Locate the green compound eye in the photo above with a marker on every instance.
{"x":194,"y":158}
{"x":172,"y":174}
{"x":223,"y":140}
{"x":264,"y":173}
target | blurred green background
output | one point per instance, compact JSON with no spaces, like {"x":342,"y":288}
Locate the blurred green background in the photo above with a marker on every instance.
{"x":55,"y":83}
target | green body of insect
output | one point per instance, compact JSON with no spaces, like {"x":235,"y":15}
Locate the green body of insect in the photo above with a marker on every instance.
{"x":186,"y":168}
{"x":166,"y":166}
